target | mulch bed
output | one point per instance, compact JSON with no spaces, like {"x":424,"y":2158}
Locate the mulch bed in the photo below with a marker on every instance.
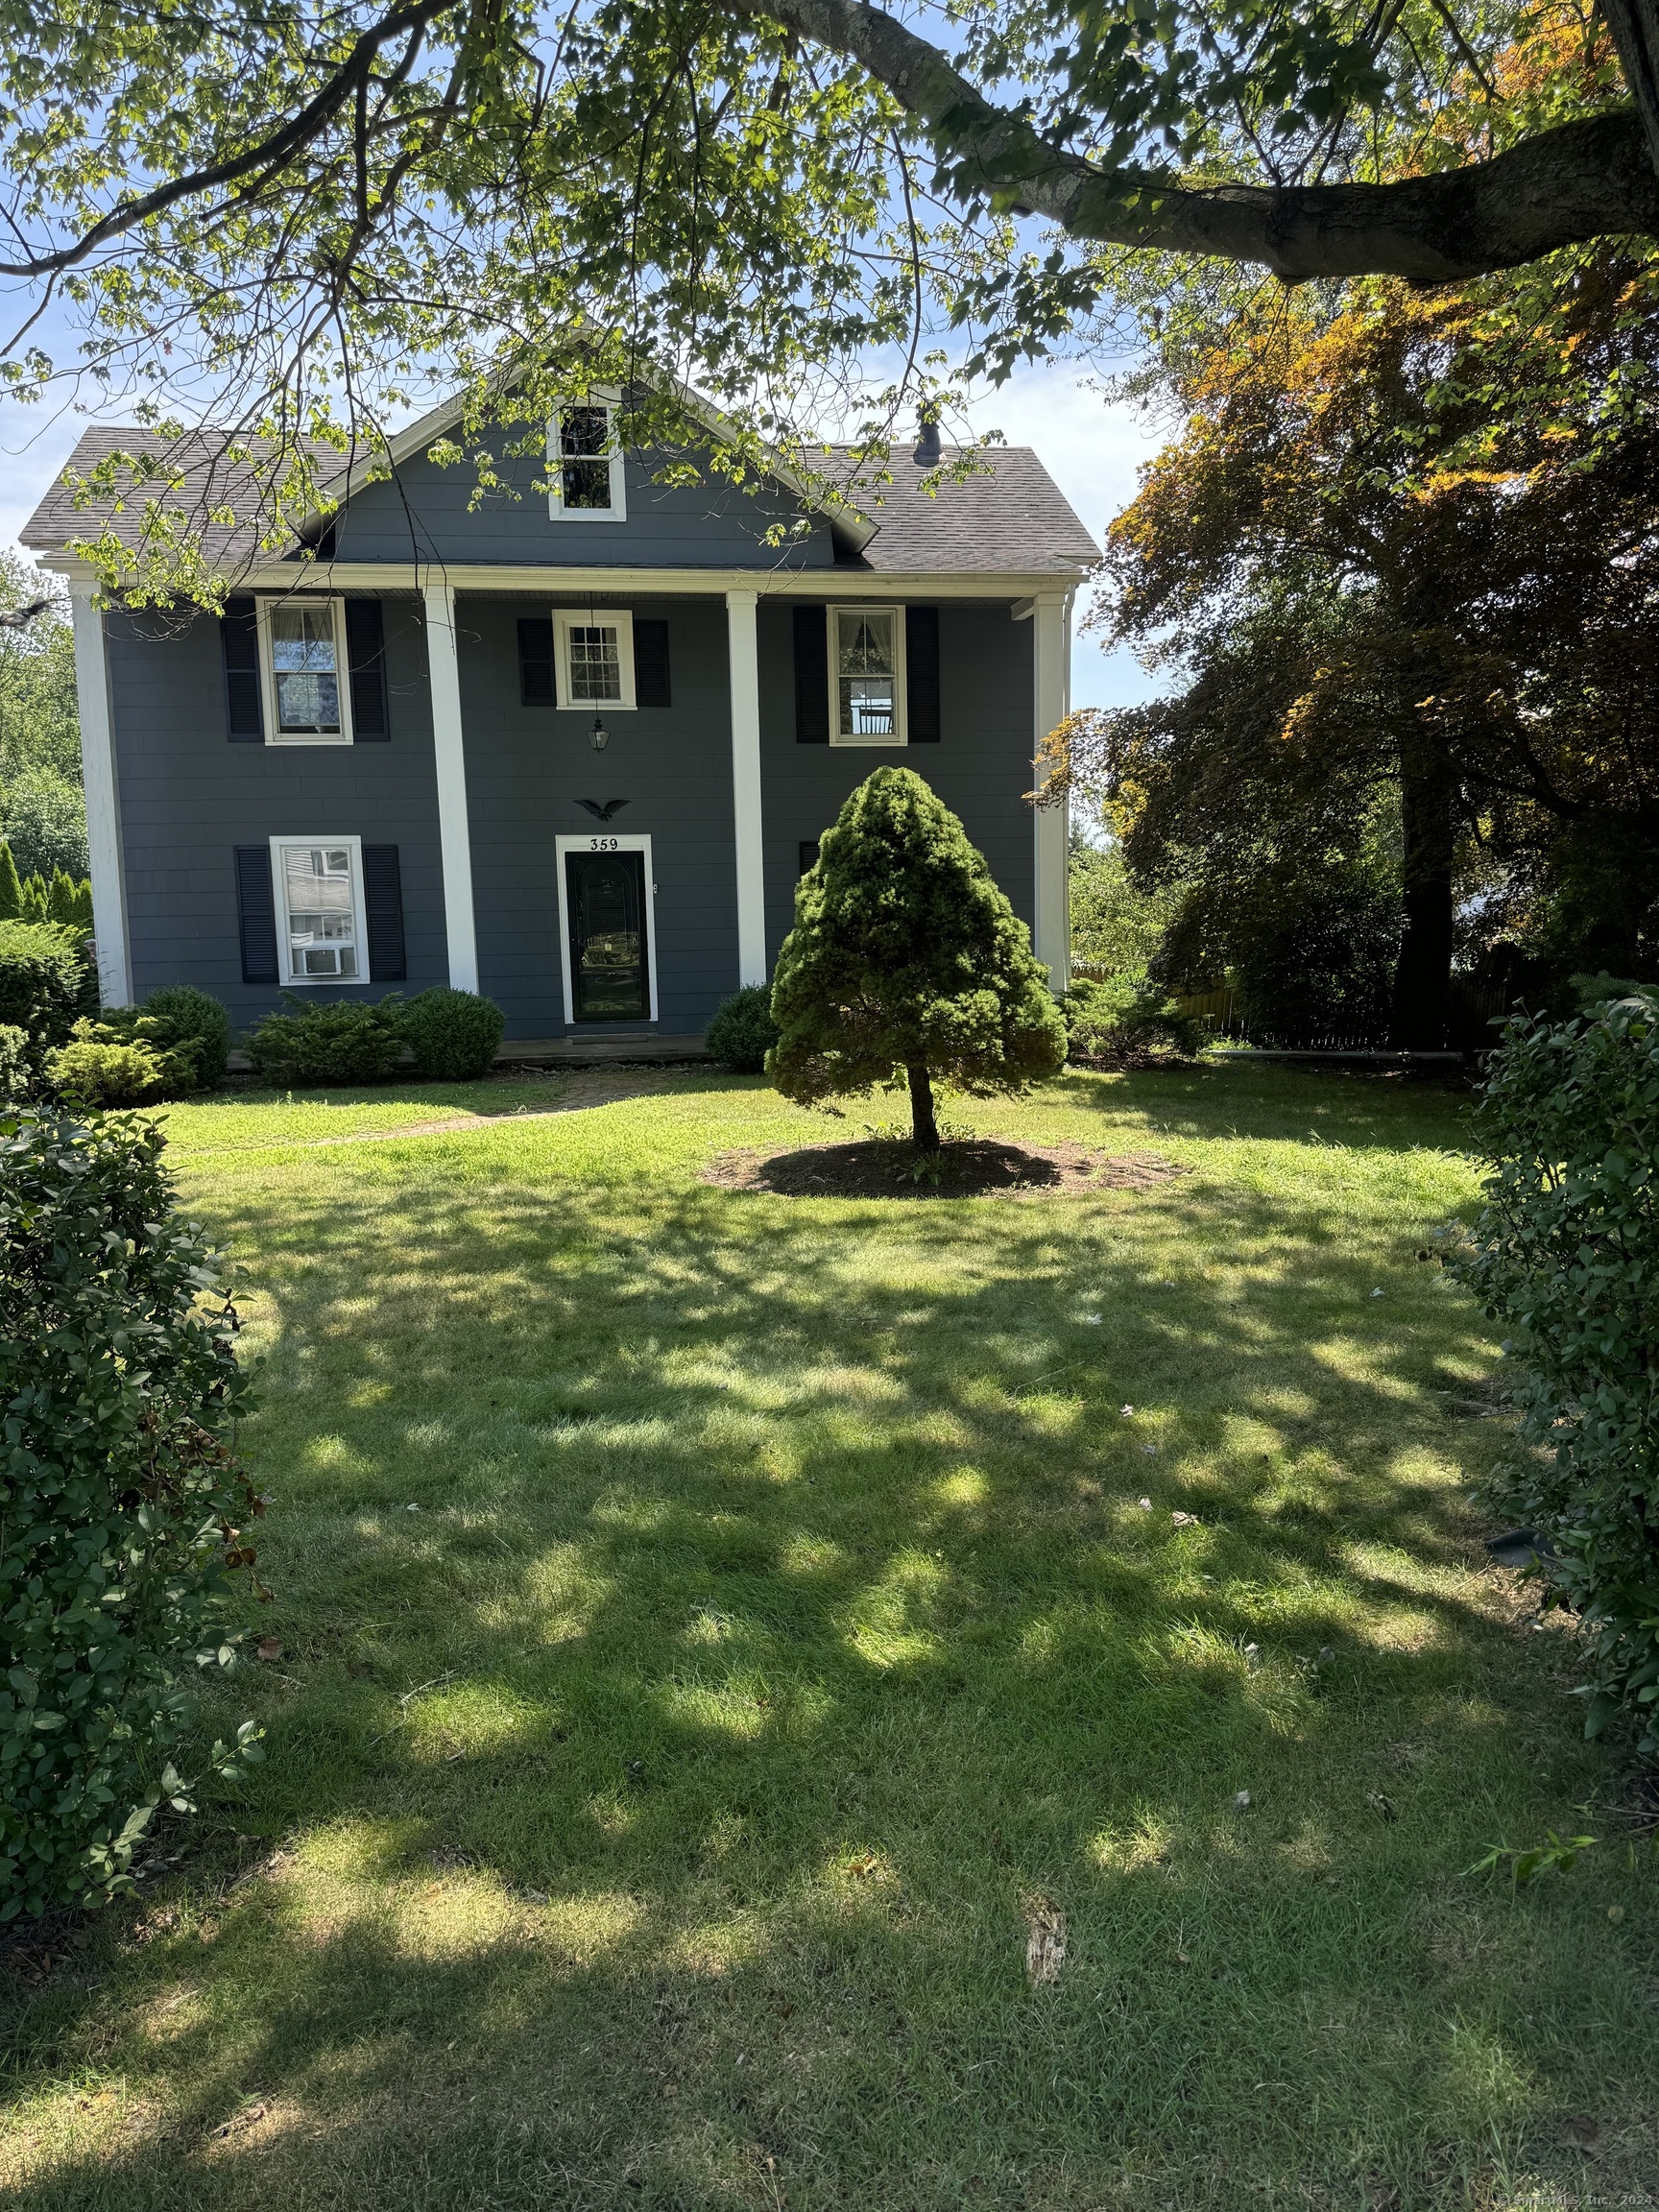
{"x":984,"y":1168}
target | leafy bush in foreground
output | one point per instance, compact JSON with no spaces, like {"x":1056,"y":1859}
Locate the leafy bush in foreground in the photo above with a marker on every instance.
{"x":452,"y":1034}
{"x":344,"y":1042}
{"x":118,"y":1497}
{"x":1565,"y":1256}
{"x":743,"y":1031}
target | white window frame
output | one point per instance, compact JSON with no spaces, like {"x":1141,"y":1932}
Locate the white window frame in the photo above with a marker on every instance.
{"x":618,"y":510}
{"x":833,"y":613}
{"x":604,"y":841}
{"x":359,"y":918}
{"x":568,"y":618}
{"x":263,"y":609}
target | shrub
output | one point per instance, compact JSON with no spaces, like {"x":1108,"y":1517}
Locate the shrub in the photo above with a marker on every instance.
{"x":119,"y":1498}
{"x":93,"y":1071}
{"x":905,"y":954}
{"x":44,"y":982}
{"x":343,"y":1042}
{"x":743,"y":1031}
{"x":1315,"y":960}
{"x":186,"y":1032}
{"x":1565,"y":1255}
{"x":452,"y":1034}
{"x":10,"y":885}
{"x":16,"y":1072}
{"x":1124,"y":1018}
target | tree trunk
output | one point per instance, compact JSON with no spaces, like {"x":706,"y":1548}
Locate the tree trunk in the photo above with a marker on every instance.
{"x":922,"y":1126}
{"x":1424,"y":969}
{"x":1635,"y":27}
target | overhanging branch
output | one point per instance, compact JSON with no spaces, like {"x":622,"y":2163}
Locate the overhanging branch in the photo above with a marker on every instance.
{"x":1589,"y":178}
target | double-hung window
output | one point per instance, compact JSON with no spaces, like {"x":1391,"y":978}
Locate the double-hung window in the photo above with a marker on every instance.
{"x":304,"y":670}
{"x":320,"y":933}
{"x":584,"y":465}
{"x":867,"y":676}
{"x":595,"y":650}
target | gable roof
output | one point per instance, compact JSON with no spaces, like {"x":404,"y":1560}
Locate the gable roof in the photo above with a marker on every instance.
{"x":1010,"y":517}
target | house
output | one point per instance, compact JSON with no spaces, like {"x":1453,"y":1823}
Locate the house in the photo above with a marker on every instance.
{"x":571,"y":747}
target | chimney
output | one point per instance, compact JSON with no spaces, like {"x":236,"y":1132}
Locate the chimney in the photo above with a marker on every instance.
{"x":927,"y":453}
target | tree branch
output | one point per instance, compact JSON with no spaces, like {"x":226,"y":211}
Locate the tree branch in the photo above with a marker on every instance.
{"x":1583,"y":180}
{"x":270,"y":153}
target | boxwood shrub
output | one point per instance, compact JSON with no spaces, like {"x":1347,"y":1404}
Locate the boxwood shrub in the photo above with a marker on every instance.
{"x":452,"y":1034}
{"x":185,"y":1033}
{"x":743,"y":1031}
{"x":345,"y":1041}
{"x":122,"y":1505}
{"x":1565,"y":1255}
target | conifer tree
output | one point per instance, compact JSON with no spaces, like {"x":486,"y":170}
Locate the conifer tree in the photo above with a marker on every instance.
{"x":905,"y":954}
{"x":11,"y":888}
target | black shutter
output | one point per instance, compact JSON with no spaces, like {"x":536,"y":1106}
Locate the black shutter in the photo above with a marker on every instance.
{"x":807,"y":854}
{"x":239,"y":629}
{"x":383,"y":912}
{"x":257,"y":906}
{"x":812,"y":676}
{"x":536,"y":661}
{"x":366,"y":658}
{"x":922,"y":674}
{"x":651,"y":665}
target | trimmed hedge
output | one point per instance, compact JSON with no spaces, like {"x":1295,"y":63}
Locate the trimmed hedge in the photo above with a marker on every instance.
{"x":120,"y":1499}
{"x":1565,"y":1255}
{"x":452,"y":1034}
{"x":346,"y":1041}
{"x":185,"y":1033}
{"x":743,"y":1031}
{"x":93,"y":1071}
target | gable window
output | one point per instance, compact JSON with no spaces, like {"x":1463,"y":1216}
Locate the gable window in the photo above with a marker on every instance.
{"x":866,"y":676}
{"x":303,"y":668}
{"x":585,"y":464}
{"x":594,"y":649}
{"x":318,"y":883}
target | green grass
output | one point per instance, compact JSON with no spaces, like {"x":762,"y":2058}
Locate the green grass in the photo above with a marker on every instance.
{"x":656,"y":1816}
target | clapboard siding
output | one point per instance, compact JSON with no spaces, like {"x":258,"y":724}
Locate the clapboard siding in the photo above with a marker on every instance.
{"x":188,"y":800}
{"x":527,"y":766}
{"x":980,"y":767}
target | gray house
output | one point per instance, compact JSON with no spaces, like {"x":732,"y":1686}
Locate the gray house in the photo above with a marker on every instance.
{"x":571,"y":747}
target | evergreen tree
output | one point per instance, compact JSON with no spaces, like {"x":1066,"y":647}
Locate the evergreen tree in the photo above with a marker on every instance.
{"x":905,"y":954}
{"x":10,"y":889}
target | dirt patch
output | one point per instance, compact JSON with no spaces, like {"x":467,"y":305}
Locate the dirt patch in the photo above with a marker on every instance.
{"x":984,"y":1167}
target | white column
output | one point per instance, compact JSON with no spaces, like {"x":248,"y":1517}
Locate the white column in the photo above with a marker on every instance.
{"x":455,"y":840}
{"x":1051,"y":658}
{"x":103,"y":812}
{"x":741,"y":641}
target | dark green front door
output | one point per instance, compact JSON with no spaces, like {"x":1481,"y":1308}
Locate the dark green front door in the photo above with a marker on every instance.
{"x":609,"y":974}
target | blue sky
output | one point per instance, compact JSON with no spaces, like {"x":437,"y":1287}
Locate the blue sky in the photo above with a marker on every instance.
{"x":1091,"y":448}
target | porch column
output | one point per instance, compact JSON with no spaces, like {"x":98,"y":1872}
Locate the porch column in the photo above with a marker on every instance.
{"x":1051,"y":659}
{"x":746,"y":816}
{"x":455,"y":842}
{"x":103,"y":813}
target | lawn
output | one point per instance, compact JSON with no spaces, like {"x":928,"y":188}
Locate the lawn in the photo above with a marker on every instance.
{"x":718,"y":1629}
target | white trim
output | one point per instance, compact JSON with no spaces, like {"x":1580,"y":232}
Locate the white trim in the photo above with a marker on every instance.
{"x":900,"y":704}
{"x":1050,"y":656}
{"x":748,"y":819}
{"x":103,"y":804}
{"x":618,"y":510}
{"x":604,"y":841}
{"x":449,"y":760}
{"x":544,"y":579}
{"x":284,"y":935}
{"x":568,"y":618}
{"x":273,"y":735}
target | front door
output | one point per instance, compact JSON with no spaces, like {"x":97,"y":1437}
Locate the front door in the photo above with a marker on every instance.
{"x":609,"y":974}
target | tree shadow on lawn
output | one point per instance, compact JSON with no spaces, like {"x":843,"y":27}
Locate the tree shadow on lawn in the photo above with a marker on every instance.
{"x":1383,"y":1111}
{"x":783,"y":1628}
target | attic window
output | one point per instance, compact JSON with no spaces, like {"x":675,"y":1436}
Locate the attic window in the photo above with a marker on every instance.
{"x":586,"y":465}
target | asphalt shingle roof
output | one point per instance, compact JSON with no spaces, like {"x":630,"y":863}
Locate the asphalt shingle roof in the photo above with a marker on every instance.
{"x":1010,"y":516}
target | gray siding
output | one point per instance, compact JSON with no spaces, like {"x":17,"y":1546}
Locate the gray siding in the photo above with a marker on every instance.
{"x":188,"y":798}
{"x":981,"y":768}
{"x":427,"y":514}
{"x":527,"y":766}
